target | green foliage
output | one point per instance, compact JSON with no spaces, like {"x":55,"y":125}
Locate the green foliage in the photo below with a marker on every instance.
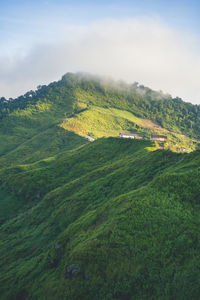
{"x":130,"y":228}
{"x":111,"y":219}
{"x":89,"y":105}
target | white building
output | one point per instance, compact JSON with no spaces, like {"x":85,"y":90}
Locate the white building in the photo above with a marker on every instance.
{"x":159,"y":138}
{"x":91,"y":139}
{"x":130,"y":136}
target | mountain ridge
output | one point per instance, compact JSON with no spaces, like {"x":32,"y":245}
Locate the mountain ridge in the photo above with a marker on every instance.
{"x":75,"y":98}
{"x":111,"y":219}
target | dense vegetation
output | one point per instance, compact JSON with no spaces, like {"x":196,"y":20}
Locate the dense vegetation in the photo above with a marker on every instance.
{"x":88,"y":105}
{"x":96,"y":223}
{"x":113,"y":219}
{"x":171,"y":113}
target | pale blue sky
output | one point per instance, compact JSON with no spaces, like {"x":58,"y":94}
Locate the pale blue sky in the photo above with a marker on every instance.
{"x":22,"y":23}
{"x":41,"y":40}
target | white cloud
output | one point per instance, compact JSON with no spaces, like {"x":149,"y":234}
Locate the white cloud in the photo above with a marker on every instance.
{"x":144,"y":50}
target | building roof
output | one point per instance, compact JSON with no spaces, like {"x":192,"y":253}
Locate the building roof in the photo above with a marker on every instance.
{"x":159,"y":136}
{"x":129,"y":134}
{"x":90,"y":138}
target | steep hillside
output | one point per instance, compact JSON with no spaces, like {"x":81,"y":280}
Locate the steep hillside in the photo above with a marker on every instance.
{"x":87,"y":105}
{"x":113,"y":219}
{"x":30,"y":129}
{"x":110,"y":220}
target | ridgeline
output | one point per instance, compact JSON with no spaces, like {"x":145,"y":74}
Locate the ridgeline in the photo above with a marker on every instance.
{"x":110,"y":219}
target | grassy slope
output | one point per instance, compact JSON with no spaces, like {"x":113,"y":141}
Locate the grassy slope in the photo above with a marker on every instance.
{"x":87,"y":105}
{"x":104,"y":122}
{"x":83,"y":106}
{"x":131,"y":227}
{"x":33,"y":133}
{"x":127,"y":217}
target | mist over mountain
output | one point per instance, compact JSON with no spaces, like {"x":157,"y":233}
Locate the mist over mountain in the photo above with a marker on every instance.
{"x":147,"y":49}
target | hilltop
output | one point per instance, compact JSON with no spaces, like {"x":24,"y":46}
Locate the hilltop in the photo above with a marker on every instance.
{"x":86,"y":105}
{"x":110,"y":219}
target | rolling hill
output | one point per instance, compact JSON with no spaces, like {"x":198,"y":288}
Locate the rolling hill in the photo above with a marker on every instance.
{"x":112,"y":219}
{"x":88,"y":105}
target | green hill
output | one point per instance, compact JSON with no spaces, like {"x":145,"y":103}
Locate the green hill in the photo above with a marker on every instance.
{"x":112,"y":219}
{"x":87,"y":105}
